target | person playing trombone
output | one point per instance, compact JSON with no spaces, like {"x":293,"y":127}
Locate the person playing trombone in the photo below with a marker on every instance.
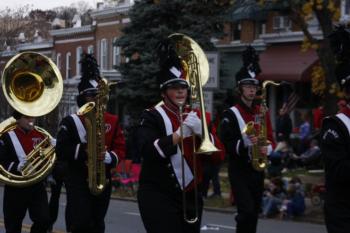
{"x":169,"y":197}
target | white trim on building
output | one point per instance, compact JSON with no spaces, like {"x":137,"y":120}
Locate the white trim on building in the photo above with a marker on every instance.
{"x":68,"y":67}
{"x":74,"y":40}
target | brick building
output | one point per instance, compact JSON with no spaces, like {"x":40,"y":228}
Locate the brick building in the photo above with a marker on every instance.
{"x":272,"y":34}
{"x":278,"y":41}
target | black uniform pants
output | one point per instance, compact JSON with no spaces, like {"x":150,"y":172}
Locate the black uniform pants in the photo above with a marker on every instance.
{"x":54,"y":204}
{"x":86,"y":211}
{"x":211,"y":172}
{"x":162,"y":212}
{"x":16,"y":203}
{"x":337,"y":216}
{"x":247,"y":186}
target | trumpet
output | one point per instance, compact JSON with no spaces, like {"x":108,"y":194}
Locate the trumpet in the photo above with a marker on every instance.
{"x":197,"y":67}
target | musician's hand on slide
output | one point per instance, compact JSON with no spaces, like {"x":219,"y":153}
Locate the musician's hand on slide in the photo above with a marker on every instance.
{"x":193,"y":122}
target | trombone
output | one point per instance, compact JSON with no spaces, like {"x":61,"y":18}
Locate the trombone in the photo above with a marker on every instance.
{"x":196,"y":63}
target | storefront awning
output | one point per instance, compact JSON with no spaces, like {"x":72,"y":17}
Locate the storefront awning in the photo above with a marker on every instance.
{"x":287,"y":63}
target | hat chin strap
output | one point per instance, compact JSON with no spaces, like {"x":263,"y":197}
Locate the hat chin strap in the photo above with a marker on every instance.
{"x":170,"y":104}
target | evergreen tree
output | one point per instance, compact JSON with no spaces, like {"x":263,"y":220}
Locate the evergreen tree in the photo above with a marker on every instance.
{"x":152,"y":21}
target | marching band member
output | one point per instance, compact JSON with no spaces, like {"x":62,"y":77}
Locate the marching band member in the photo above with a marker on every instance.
{"x":334,"y":138}
{"x":87,"y":211}
{"x":160,"y":190}
{"x":246,"y":183}
{"x":15,"y":145}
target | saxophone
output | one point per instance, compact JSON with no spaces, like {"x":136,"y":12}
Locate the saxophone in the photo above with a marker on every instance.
{"x":93,"y":113}
{"x":259,"y":160}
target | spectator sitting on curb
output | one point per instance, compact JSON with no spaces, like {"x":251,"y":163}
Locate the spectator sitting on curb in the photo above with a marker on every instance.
{"x":294,"y":205}
{"x":311,"y":157}
{"x":273,"y":195}
{"x":277,"y":158}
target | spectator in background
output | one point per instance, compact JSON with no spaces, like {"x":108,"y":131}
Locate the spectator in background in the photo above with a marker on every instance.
{"x":294,"y":205}
{"x":341,"y":105}
{"x":304,"y":133}
{"x":283,"y":125}
{"x":311,"y":157}
{"x":273,"y":196}
{"x":318,"y":116}
{"x":278,"y":158}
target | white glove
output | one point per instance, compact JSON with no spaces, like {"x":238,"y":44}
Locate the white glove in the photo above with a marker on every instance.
{"x":53,"y":141}
{"x":108,"y":158}
{"x":186,"y":131}
{"x":246,"y":140}
{"x":193,"y":122}
{"x":21,"y":165}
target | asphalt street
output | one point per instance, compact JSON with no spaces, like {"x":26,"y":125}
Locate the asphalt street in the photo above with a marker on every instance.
{"x":124,"y":217}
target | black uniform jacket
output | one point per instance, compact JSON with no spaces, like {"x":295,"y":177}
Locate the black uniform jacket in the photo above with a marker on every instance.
{"x":231,"y":135}
{"x":335,"y":147}
{"x":156,"y":148}
{"x":8,"y":156}
{"x":72,"y":150}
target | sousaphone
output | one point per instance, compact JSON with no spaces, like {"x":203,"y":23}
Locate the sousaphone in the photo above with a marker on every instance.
{"x":32,"y":85}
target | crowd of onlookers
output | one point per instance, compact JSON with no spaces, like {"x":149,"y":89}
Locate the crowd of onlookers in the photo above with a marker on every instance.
{"x":284,"y":198}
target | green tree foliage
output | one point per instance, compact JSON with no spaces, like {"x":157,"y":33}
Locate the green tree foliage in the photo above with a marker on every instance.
{"x":152,"y":21}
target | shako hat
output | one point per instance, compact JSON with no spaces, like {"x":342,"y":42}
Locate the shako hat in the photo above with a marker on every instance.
{"x":250,"y":69}
{"x":172,"y":71}
{"x":90,"y":75}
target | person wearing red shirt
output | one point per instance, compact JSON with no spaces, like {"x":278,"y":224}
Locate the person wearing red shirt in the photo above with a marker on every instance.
{"x":15,"y":145}
{"x":86,"y":210}
{"x":161,"y":184}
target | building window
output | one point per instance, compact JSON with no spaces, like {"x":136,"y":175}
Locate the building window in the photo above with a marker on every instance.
{"x":90,"y":49}
{"x":347,"y":7}
{"x":79,"y":52}
{"x":68,"y":67}
{"x":116,"y":54}
{"x":235,"y":31}
{"x":58,"y":61}
{"x":281,"y":24}
{"x":103,"y":57}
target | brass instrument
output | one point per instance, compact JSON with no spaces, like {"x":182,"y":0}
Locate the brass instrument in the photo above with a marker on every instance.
{"x":259,"y":161}
{"x":32,"y":84}
{"x":194,"y":59}
{"x":95,"y":129}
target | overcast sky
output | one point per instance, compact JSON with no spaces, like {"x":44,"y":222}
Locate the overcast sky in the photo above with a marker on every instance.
{"x":43,"y":4}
